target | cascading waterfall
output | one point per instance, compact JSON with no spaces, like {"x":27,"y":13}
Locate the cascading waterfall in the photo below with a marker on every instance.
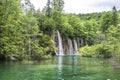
{"x":86,"y":43}
{"x":70,"y":46}
{"x":78,"y":43}
{"x":60,"y":46}
{"x":75,"y":47}
{"x":82,"y":42}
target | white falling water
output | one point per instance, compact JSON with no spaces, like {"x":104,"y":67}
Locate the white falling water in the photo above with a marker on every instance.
{"x":82,"y":42}
{"x":86,"y":43}
{"x":75,"y":47}
{"x":60,"y":46}
{"x":78,"y":42}
{"x":70,"y":46}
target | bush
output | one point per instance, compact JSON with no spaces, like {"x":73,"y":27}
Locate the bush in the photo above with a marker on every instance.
{"x":99,"y":50}
{"x":87,"y":51}
{"x":104,"y":50}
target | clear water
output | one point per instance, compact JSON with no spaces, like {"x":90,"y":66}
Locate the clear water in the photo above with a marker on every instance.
{"x":61,"y":68}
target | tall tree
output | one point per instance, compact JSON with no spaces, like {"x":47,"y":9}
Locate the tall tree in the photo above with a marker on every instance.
{"x":10,"y":25}
{"x":106,"y":21}
{"x":48,"y":9}
{"x":58,"y":5}
{"x":114,"y":16}
{"x":57,"y":8}
{"x":27,"y":7}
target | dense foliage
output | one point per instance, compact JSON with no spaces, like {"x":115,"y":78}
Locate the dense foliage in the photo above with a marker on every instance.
{"x":28,"y":34}
{"x":108,"y":40}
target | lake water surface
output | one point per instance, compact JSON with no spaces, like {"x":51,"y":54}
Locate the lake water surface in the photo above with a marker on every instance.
{"x":61,"y":68}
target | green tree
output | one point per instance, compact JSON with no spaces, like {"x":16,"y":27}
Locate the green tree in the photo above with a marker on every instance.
{"x":114,"y":16}
{"x":90,"y":30}
{"x":106,"y":21}
{"x":48,"y":9}
{"x":58,"y":5}
{"x":10,"y":25}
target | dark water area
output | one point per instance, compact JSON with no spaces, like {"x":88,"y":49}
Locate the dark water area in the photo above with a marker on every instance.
{"x":61,"y":68}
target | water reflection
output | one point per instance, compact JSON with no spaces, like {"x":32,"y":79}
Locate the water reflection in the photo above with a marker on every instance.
{"x":60,"y":60}
{"x":67,"y":66}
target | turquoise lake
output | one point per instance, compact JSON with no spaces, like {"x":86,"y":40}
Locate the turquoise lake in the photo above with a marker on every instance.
{"x":61,"y":68}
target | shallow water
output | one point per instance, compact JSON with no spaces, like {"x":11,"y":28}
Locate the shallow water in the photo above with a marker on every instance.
{"x":61,"y":68}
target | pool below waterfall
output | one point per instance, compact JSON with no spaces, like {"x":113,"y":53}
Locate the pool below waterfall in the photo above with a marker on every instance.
{"x":61,"y":68}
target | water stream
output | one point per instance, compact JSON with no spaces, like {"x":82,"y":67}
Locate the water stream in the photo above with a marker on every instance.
{"x":60,"y":46}
{"x":75,"y":47}
{"x":70,"y":46}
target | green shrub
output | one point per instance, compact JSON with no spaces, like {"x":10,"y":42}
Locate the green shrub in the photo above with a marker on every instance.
{"x":87,"y":51}
{"x":99,"y":50}
{"x":104,"y":50}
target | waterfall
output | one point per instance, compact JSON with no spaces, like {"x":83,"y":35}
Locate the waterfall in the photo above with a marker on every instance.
{"x":82,"y":42}
{"x":70,"y":46}
{"x":86,"y":43}
{"x":78,"y":42}
{"x":75,"y":47}
{"x":72,"y":50}
{"x":60,"y":46}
